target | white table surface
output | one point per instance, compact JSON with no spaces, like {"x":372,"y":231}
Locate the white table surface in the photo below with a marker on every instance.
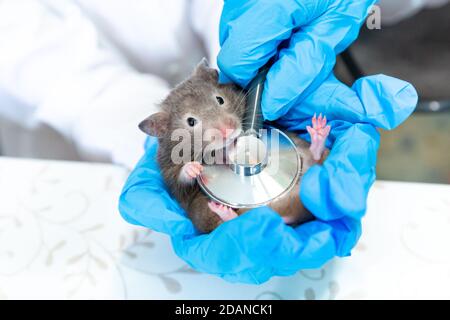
{"x":61,"y":236}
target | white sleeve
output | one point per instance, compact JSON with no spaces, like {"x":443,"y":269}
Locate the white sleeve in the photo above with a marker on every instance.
{"x":205,"y":19}
{"x":54,"y":59}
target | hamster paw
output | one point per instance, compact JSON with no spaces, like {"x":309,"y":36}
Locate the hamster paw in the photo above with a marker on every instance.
{"x":289,"y":220}
{"x":225,"y":213}
{"x":319,"y":133}
{"x":190,"y":171}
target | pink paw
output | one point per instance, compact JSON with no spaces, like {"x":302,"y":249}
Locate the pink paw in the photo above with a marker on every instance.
{"x":225,"y":213}
{"x":319,"y":133}
{"x":289,"y":220}
{"x":190,"y":171}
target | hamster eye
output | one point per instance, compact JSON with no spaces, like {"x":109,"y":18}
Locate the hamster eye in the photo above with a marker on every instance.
{"x":220,"y":100}
{"x":191,"y":121}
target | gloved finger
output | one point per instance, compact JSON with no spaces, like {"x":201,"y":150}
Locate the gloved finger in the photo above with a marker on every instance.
{"x":258,"y":245}
{"x":380,"y":100}
{"x":339,"y":187}
{"x":317,"y":242}
{"x":235,"y":246}
{"x":308,"y":246}
{"x":387,"y":101}
{"x":145,"y":201}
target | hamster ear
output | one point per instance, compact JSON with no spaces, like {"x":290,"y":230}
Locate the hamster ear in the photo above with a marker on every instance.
{"x":204,"y":72}
{"x":156,"y":125}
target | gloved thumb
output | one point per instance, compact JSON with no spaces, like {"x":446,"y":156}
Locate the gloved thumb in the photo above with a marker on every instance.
{"x":387,"y":101}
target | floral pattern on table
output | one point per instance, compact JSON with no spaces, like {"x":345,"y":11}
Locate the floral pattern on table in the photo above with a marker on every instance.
{"x":61,"y":237}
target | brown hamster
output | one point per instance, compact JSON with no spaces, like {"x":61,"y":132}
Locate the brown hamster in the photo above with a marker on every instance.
{"x":196,"y":107}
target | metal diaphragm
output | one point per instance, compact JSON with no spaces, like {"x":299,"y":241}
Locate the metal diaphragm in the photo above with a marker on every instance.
{"x":279,"y":166}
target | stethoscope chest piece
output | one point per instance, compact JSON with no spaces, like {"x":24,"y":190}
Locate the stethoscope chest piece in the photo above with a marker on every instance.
{"x":259,"y":170}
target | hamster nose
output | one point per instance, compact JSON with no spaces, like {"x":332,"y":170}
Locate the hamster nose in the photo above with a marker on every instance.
{"x":227,"y":128}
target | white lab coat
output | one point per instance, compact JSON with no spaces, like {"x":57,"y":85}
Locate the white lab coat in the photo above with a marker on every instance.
{"x":92,"y":69}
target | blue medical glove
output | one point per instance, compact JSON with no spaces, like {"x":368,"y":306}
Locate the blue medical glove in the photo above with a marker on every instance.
{"x":306,"y":35}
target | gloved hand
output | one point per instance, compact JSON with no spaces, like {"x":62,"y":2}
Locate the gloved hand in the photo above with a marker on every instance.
{"x":258,"y":245}
{"x":305,"y":34}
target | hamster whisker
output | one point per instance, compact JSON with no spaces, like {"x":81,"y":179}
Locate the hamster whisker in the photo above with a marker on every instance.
{"x":245,"y":96}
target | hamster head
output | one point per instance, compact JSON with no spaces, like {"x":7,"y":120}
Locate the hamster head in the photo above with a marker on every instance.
{"x":200,"y":108}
